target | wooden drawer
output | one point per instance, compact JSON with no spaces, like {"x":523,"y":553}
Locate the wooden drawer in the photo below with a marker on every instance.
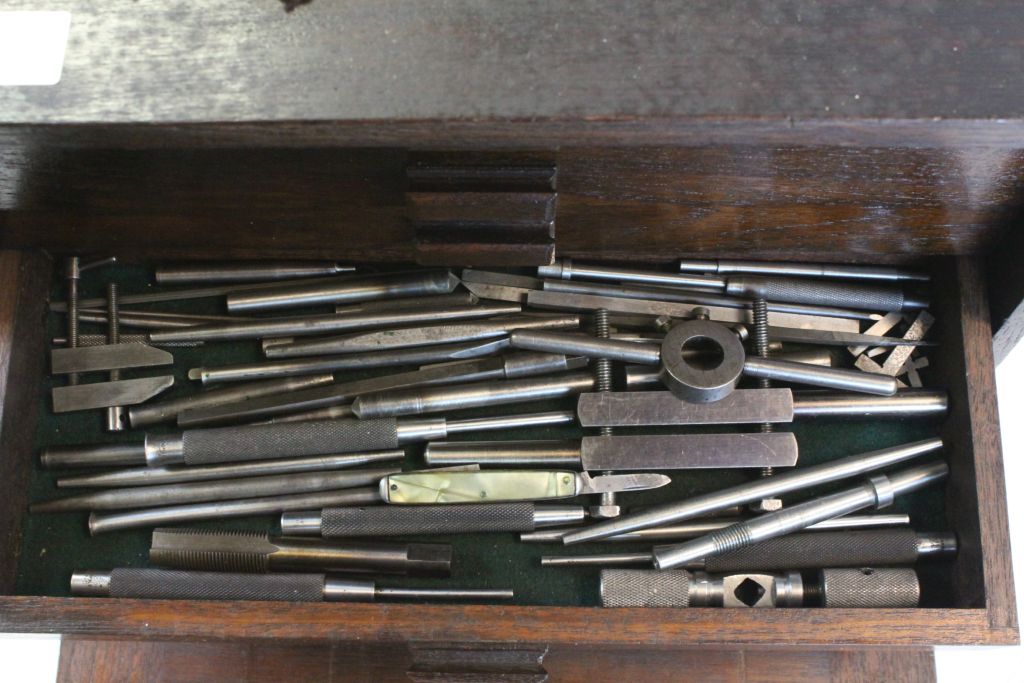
{"x":637,"y":180}
{"x":150,"y":187}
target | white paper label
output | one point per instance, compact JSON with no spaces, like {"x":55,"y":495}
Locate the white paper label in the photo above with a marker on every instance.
{"x":32,"y":47}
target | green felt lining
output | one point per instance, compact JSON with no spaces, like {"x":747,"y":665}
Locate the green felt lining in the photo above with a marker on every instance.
{"x":53,"y":545}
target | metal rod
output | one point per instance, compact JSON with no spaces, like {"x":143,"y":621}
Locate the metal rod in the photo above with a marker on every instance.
{"x":584,"y":345}
{"x":841,"y":271}
{"x":425,"y":335}
{"x":462,"y":396}
{"x":117,"y":418}
{"x":391,"y":520}
{"x":170,"y":584}
{"x":832,"y":378}
{"x":245,"y":271}
{"x":294,"y":439}
{"x":699,"y":298}
{"x":147,"y":476}
{"x":189,"y":294}
{"x":224,"y":489}
{"x":298,"y":326}
{"x":464,"y":298}
{"x":520,"y":364}
{"x":906,"y":403}
{"x":795,"y":480}
{"x":130,"y":519}
{"x":328,"y":413}
{"x":380,"y":359}
{"x":788,"y":290}
{"x":879,"y":491}
{"x":541,"y":454}
{"x":418,"y":283}
{"x":101,"y":339}
{"x":694,"y":529}
{"x":99,"y":455}
{"x":567,"y":269}
{"x":168,"y":411}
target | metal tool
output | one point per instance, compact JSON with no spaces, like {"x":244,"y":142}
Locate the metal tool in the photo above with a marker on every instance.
{"x":125,"y":392}
{"x":134,"y":497}
{"x":893,"y":365}
{"x":624,"y":452}
{"x":651,"y":408}
{"x":117,"y":417}
{"x":300,"y":326}
{"x":693,"y":529}
{"x":867,"y":587}
{"x":99,"y":455}
{"x":567,"y":269}
{"x":781,"y":313}
{"x":349,"y":290}
{"x":102,"y":522}
{"x":169,"y":584}
{"x":423,"y":520}
{"x":842,"y":468}
{"x":822,"y":403}
{"x":194,"y":293}
{"x":155,"y":320}
{"x":107,"y":357}
{"x":328,"y":413}
{"x":830,"y":338}
{"x":878,"y":547}
{"x":550,"y":299}
{"x":426,"y":487}
{"x":461,"y":396}
{"x":499,"y":286}
{"x":292,"y":439}
{"x":839,"y":271}
{"x":791,"y":290}
{"x":878,"y":491}
{"x":514,"y":365}
{"x":424,"y":335}
{"x":906,"y":403}
{"x":713,"y":374}
{"x":360,"y":361}
{"x":73,"y":269}
{"x":457,"y":298}
{"x":712,"y":368}
{"x":585,"y":345}
{"x":101,"y":339}
{"x":245,"y":271}
{"x":168,"y":411}
{"x":259,"y":552}
{"x":147,"y":476}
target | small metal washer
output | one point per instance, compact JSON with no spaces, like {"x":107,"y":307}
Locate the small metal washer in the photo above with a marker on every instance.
{"x":693,"y":383}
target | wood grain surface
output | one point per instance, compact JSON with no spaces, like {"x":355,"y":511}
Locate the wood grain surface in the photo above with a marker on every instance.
{"x":24,"y":287}
{"x":217,"y":60}
{"x":113,"y":661}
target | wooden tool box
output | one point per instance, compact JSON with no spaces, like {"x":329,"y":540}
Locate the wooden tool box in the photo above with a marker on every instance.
{"x":499,"y":134}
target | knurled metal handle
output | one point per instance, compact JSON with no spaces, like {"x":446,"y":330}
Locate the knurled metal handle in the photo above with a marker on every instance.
{"x":870,"y":588}
{"x":168,"y":584}
{"x":288,"y":439}
{"x":645,"y":588}
{"x":883,"y":547}
{"x":386,"y":520}
{"x":818,"y":293}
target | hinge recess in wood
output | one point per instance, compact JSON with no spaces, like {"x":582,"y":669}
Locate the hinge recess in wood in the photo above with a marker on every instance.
{"x":482,"y":209}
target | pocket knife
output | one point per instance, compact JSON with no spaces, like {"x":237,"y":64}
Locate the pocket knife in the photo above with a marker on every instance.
{"x":500,"y":486}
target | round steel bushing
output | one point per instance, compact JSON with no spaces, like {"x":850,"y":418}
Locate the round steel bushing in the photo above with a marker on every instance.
{"x":709,"y":374}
